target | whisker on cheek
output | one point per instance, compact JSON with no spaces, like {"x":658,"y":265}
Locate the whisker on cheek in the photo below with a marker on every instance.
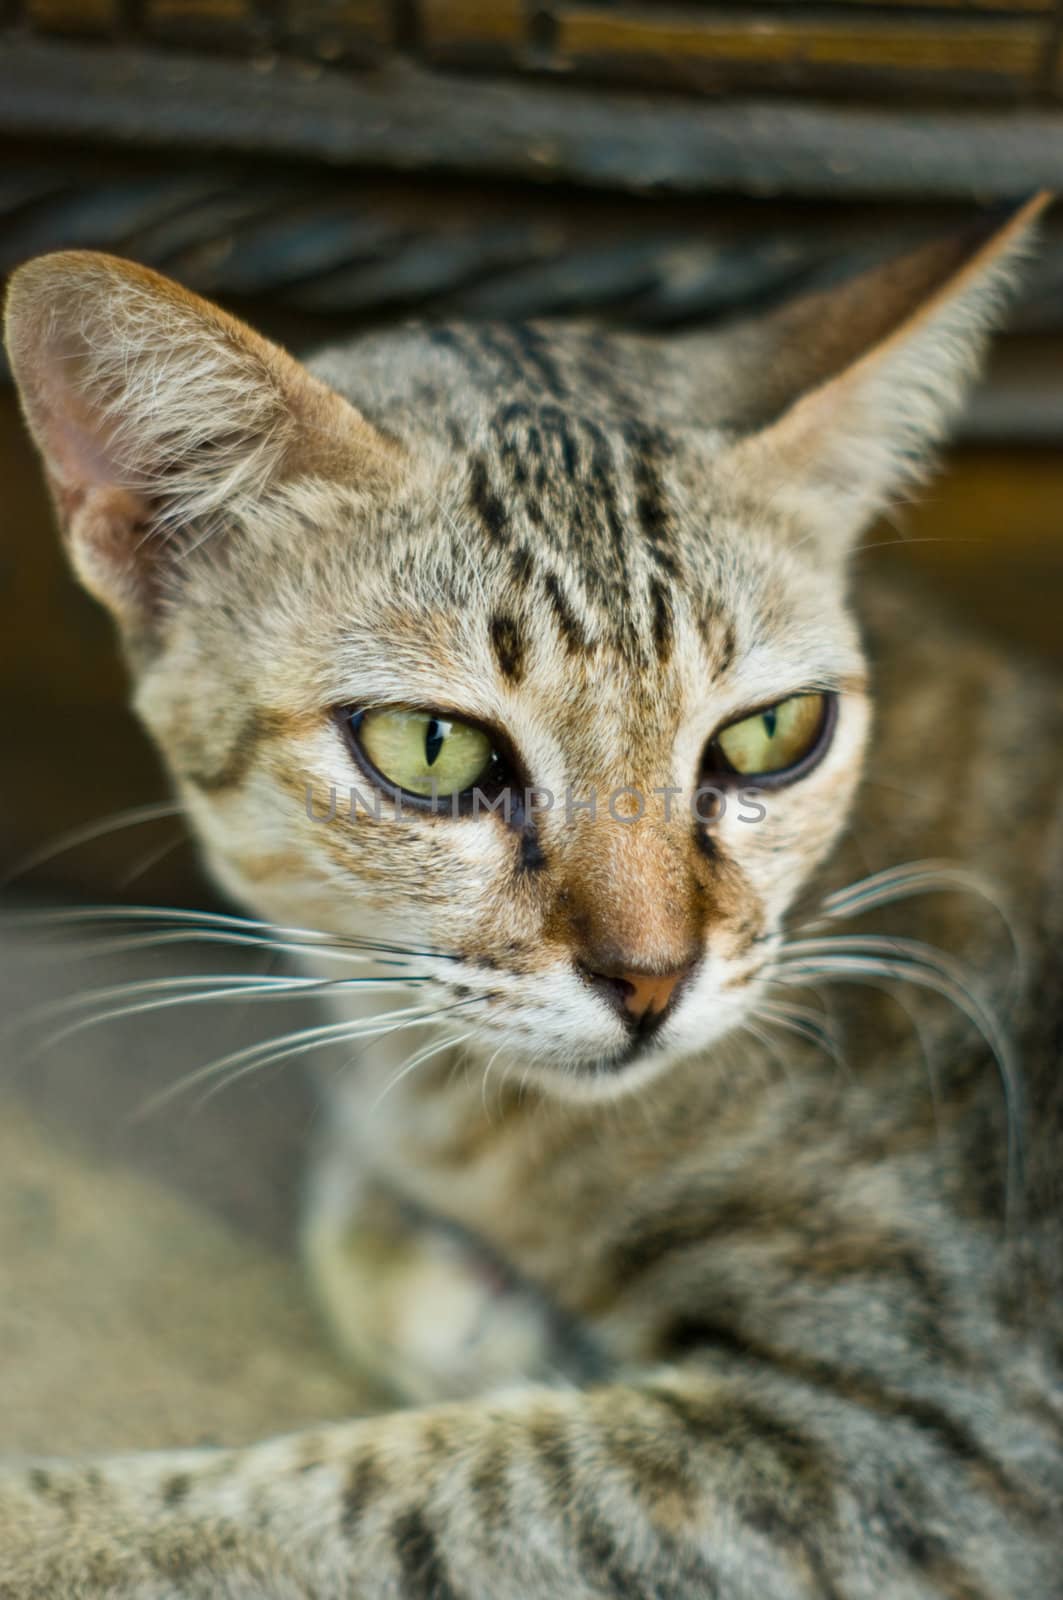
{"x":856,"y":959}
{"x":304,"y":1041}
{"x":449,"y":1041}
{"x":253,"y":941}
{"x":135,"y":817}
{"x":805,"y":1025}
{"x":909,"y":880}
{"x":313,"y":939}
{"x":192,"y":992}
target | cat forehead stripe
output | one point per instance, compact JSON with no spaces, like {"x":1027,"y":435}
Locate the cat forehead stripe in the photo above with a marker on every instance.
{"x":600,"y":502}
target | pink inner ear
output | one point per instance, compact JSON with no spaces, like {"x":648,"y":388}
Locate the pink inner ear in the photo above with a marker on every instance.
{"x":112,"y":547}
{"x":77,"y":440}
{"x":106,"y":524}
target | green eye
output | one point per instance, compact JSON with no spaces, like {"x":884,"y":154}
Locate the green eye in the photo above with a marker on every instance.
{"x":775,"y":739}
{"x":423,"y":753}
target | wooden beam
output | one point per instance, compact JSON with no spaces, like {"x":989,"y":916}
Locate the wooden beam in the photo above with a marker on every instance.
{"x":403,"y":117}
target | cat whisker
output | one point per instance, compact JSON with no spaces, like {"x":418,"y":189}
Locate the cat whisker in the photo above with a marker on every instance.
{"x":908,"y":880}
{"x":77,"y":915}
{"x":885,"y":544}
{"x":149,"y":859}
{"x":922,"y":794}
{"x":845,"y":959}
{"x":765,"y":1040}
{"x":221,"y":984}
{"x":810,"y":1014}
{"x":306,"y":938}
{"x":804,"y":1023}
{"x":907,"y":877}
{"x":926,"y":1045}
{"x":254,"y":941}
{"x":134,"y":817}
{"x":449,"y":1041}
{"x":298,"y":1043}
{"x":486,"y":1075}
{"x":895,"y":992}
{"x":243,"y":1072}
{"x":184,"y":991}
{"x":890,"y":946}
{"x":428,"y":1019}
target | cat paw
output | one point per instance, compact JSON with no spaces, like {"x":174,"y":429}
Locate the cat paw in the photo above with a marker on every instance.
{"x":418,"y":1309}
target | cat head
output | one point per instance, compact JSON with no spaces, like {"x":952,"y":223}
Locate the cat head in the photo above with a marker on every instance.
{"x":527,"y":648}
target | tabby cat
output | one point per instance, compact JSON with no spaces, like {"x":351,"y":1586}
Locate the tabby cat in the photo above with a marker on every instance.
{"x":691,"y":1174}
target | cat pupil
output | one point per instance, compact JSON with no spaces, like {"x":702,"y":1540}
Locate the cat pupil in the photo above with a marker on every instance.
{"x":770,"y":719}
{"x":433,"y":740}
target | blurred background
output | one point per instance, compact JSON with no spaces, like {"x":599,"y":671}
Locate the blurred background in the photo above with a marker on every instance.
{"x":322,"y":165}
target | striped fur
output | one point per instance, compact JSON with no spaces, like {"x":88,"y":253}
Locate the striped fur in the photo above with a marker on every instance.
{"x":740,"y":1317}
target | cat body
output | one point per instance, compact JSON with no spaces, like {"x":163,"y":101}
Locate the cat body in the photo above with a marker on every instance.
{"x":682,"y":1286}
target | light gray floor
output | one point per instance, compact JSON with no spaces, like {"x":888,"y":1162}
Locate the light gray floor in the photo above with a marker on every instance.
{"x":148,"y":1290}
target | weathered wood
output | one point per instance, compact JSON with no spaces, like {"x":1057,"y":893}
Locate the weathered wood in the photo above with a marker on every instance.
{"x":362,"y":31}
{"x":213,"y":24}
{"x":223,"y":12}
{"x":956,"y":48}
{"x":918,"y":52}
{"x":973,"y":6}
{"x":473,"y":29}
{"x":358,"y":246}
{"x":402,"y":118}
{"x":911,"y":44}
{"x":74,"y":16}
{"x":1055,"y":71}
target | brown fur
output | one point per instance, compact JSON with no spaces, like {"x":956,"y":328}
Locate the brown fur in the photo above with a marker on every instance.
{"x":783,"y":1320}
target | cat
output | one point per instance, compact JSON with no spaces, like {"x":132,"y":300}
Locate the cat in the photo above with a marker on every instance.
{"x":512,"y":676}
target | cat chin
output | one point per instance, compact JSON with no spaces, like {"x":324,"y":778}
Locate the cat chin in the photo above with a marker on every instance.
{"x":602,"y":1079}
{"x":621,"y":1069}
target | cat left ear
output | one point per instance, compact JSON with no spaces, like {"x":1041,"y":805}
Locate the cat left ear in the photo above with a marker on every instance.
{"x":864,"y":379}
{"x":154,"y":411}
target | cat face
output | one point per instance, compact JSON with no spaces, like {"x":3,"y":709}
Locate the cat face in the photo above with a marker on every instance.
{"x":525,"y":650}
{"x":576,"y":695}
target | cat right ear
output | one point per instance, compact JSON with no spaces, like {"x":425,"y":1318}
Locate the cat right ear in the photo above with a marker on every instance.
{"x":842,"y":395}
{"x":154,"y":411}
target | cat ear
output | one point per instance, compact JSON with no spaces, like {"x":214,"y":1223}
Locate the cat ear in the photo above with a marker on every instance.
{"x":858,"y":383}
{"x":154,"y":410}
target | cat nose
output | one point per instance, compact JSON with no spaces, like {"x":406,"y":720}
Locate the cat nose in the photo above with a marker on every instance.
{"x":647,"y":995}
{"x":642,"y":998}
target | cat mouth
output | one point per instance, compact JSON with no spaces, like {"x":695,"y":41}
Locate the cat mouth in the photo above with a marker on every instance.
{"x":637,"y":1050}
{"x":644,"y":1041}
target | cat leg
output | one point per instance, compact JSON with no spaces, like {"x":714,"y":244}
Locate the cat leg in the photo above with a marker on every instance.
{"x":420,"y":1308}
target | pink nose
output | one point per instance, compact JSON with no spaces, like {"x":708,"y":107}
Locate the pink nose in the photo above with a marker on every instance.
{"x":647,"y":996}
{"x":641,"y":997}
